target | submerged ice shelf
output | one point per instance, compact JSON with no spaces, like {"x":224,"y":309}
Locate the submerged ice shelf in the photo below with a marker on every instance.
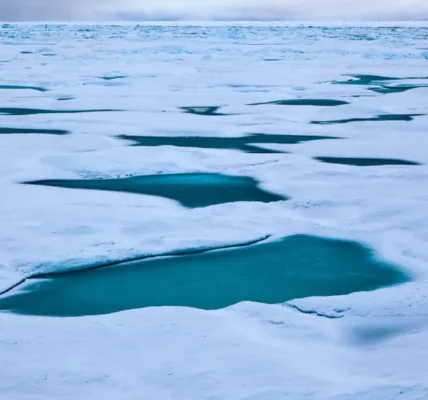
{"x":274,"y":272}
{"x":191,"y":190}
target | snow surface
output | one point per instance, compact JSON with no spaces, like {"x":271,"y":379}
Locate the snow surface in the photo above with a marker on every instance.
{"x":362,"y":346}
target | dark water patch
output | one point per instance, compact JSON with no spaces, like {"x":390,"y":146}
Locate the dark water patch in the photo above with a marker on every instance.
{"x":18,"y":87}
{"x":191,"y":190}
{"x":4,"y":131}
{"x":305,"y":102}
{"x":49,"y":55}
{"x":391,"y":89}
{"x":365,"y":162}
{"x":361,"y":79}
{"x":367,"y":80}
{"x":243,"y":143}
{"x":33,"y":111}
{"x":65,"y":98}
{"x":208,"y":111}
{"x":274,"y":272}
{"x":386,"y":117}
{"x":26,"y":52}
{"x":112,"y":78}
{"x":384,"y":89}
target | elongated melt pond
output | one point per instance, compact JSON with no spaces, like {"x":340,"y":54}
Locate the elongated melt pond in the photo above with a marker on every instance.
{"x":273,"y":272}
{"x":382,"y":83}
{"x":304,"y":102}
{"x":246,"y":143}
{"x":19,"y":87}
{"x":366,"y":80}
{"x":378,"y":118}
{"x":35,"y":111}
{"x":12,"y":131}
{"x":385,"y":89}
{"x":191,"y":190}
{"x":364,"y":162}
{"x":202,"y":110}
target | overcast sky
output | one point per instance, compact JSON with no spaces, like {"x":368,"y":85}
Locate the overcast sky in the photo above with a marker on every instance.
{"x":37,"y":10}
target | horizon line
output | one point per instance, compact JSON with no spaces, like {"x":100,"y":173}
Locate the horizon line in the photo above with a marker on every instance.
{"x":216,"y":21}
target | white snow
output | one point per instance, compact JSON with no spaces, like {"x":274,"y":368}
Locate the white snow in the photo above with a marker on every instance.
{"x":376,"y":348}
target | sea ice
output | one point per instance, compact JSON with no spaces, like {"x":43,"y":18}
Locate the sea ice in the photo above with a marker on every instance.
{"x":169,"y":80}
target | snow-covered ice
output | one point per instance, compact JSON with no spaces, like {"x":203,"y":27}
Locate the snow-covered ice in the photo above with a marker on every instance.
{"x":362,"y":346}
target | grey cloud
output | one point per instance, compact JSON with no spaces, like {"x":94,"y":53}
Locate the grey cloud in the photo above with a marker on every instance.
{"x":27,"y":10}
